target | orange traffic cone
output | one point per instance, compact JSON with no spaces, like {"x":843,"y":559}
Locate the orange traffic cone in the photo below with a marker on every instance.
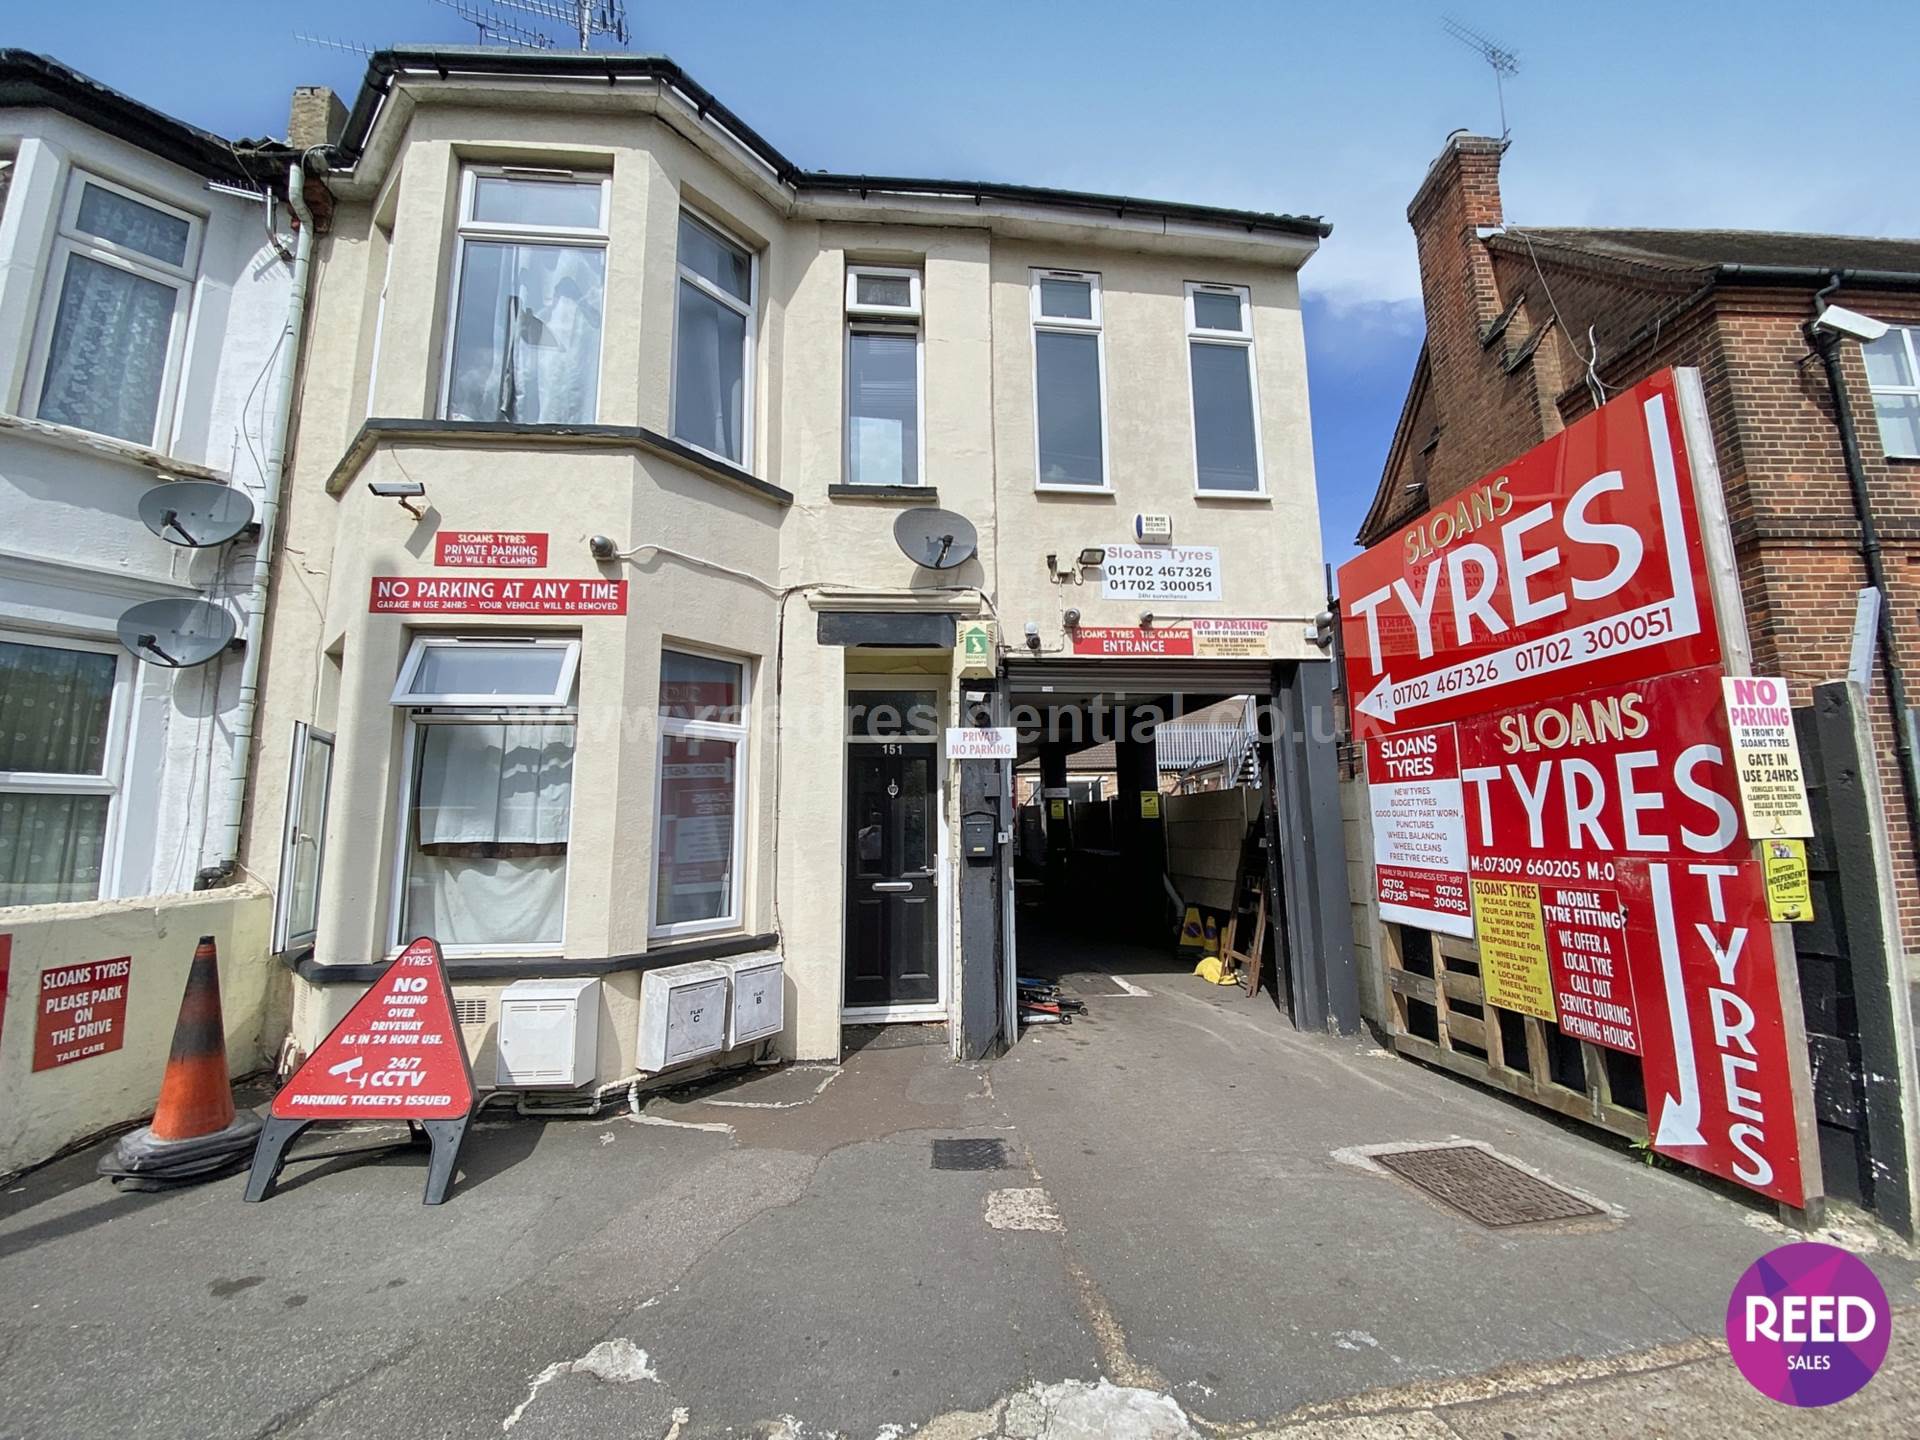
{"x":196,"y":1133}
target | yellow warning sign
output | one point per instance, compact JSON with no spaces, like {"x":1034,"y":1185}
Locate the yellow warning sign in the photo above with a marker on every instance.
{"x":1513,"y":947}
{"x":1057,"y":809}
{"x":1149,"y":804}
{"x":1789,"y":888}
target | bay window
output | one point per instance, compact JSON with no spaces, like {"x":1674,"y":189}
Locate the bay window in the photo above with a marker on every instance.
{"x":529,"y":297}
{"x":113,"y":337}
{"x":883,"y":376}
{"x":1069,"y":380}
{"x":713,"y":342}
{"x":700,"y":793}
{"x":61,"y":721}
{"x":1226,"y":427}
{"x":487,"y":799}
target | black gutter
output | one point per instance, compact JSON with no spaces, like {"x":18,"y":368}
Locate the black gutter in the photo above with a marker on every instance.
{"x":29,"y":80}
{"x":1827,"y":344}
{"x":1816,"y":276}
{"x":447,"y":61}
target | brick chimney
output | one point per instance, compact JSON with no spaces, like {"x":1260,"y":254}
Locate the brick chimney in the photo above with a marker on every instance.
{"x":316,"y":117}
{"x":1456,"y":205}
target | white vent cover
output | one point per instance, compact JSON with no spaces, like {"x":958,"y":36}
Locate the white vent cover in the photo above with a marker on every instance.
{"x":470,"y":1011}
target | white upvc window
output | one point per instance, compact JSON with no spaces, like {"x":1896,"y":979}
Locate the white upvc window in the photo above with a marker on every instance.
{"x":111,"y":342}
{"x":885,"y":373}
{"x":713,"y":341}
{"x":1224,"y":391}
{"x":1893,"y":372}
{"x":486,"y":793}
{"x":529,"y":296}
{"x":700,"y":788}
{"x":1069,"y":381}
{"x":63,"y":709}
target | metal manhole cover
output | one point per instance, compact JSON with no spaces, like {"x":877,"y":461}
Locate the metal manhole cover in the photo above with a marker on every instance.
{"x":969,"y":1154}
{"x":1484,"y":1187}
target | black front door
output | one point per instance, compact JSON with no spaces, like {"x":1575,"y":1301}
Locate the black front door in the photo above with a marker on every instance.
{"x":892,"y":926}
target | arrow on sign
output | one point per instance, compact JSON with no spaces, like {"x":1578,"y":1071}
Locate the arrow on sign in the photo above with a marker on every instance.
{"x":1379,"y":701}
{"x":1679,"y":1115}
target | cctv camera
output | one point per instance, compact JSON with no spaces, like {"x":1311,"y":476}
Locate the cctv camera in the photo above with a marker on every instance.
{"x":602,"y":548}
{"x":1850,"y":323}
{"x":397,"y":489}
{"x":1072,"y":619}
{"x":1033,"y":635}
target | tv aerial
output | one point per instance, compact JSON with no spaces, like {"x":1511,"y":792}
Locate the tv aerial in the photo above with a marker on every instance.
{"x":176,"y":633}
{"x":937,"y":539}
{"x":1502,"y":61}
{"x":196,"y":513}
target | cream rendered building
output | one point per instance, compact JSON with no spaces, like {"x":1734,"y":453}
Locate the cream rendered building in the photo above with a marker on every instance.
{"x":591,"y":628}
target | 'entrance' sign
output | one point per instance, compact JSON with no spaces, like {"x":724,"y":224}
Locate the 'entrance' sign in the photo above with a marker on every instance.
{"x":397,"y":1055}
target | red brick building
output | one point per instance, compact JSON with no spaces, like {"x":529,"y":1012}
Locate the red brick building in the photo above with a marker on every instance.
{"x":1527,"y":329}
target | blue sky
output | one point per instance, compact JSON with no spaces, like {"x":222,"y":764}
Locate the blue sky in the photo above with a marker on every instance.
{"x":1626,"y":114}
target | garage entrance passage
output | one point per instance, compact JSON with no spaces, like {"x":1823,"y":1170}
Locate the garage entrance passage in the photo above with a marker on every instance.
{"x":1140,"y":794}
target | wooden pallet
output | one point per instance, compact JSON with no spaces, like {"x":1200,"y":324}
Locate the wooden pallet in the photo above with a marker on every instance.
{"x":1471,"y":1040}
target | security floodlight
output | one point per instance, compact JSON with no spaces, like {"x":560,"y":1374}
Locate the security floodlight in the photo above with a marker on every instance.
{"x":1838,"y":320}
{"x":405,"y":491}
{"x":1092,"y":557}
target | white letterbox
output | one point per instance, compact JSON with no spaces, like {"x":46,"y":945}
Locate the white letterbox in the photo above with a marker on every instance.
{"x":683,"y":1013}
{"x":759,"y":998}
{"x":549,"y":1033}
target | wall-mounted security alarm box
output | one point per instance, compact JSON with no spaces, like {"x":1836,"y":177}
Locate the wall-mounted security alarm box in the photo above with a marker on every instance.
{"x":978,"y":836}
{"x":549,"y":1034}
{"x":1153,"y":529}
{"x":683,"y":1013}
{"x":759,"y":998}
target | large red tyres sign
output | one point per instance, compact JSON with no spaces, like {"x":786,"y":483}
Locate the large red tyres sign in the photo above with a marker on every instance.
{"x":1549,"y":637}
{"x":397,"y":1055}
{"x":1579,"y":563}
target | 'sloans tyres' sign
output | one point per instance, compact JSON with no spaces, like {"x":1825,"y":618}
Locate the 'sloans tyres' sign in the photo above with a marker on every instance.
{"x":1580,"y":562}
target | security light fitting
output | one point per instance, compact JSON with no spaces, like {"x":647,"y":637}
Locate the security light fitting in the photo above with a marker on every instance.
{"x":1093,"y":557}
{"x":1838,"y":320}
{"x":405,"y":491}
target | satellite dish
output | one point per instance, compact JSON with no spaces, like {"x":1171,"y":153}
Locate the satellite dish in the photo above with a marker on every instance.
{"x":937,"y":539}
{"x":196,"y":513}
{"x":176,"y":633}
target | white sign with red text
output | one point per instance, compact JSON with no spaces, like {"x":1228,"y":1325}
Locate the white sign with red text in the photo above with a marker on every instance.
{"x":1766,"y":758}
{"x":1419,"y":830}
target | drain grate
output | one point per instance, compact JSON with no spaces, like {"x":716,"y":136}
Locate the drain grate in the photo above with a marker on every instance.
{"x":969,"y":1154}
{"x":1484,"y":1187}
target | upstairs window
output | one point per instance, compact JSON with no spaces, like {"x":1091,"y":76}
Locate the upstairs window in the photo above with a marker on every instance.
{"x":1893,"y":371}
{"x":713,"y":342}
{"x":883,"y":376}
{"x":1226,"y":412}
{"x":1069,"y":381}
{"x":530,"y":295}
{"x":114,"y":331}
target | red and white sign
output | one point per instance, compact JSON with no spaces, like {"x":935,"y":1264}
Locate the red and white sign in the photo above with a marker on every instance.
{"x":1719,"y":1091}
{"x":446,"y":595}
{"x":396,"y":1055}
{"x":1095,"y":640}
{"x":82,"y":1011}
{"x":1578,"y":564}
{"x":1586,"y":930}
{"x":1419,"y":829}
{"x":491,"y":549}
{"x":1636,"y":769}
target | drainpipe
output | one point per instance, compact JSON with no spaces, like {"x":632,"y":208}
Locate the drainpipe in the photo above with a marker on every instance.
{"x":256,"y":614}
{"x":1827,"y":343}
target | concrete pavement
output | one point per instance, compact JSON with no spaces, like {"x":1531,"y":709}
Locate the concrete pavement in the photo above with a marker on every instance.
{"x":1185,"y":1238}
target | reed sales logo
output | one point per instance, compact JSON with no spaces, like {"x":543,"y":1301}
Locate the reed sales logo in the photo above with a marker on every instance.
{"x":1808,"y":1324}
